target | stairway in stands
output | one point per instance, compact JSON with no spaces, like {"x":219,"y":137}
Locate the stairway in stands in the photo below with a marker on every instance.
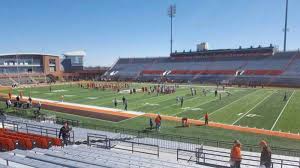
{"x":11,"y":79}
{"x":285,"y":67}
{"x":33,"y":80}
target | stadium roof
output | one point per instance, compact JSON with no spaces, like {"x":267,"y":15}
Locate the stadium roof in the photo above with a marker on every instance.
{"x":75,"y":53}
{"x":21,"y":53}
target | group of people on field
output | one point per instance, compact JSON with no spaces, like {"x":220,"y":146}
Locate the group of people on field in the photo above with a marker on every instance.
{"x":124,"y":101}
{"x":179,"y":100}
{"x":160,"y":89}
{"x":18,"y":102}
{"x":157,"y":121}
{"x":116,"y":86}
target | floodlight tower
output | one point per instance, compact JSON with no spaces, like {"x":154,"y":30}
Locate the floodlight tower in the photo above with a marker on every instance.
{"x":171,"y":14}
{"x":285,"y":25}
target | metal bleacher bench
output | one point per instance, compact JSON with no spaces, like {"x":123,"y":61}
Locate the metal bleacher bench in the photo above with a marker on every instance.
{"x":15,"y":160}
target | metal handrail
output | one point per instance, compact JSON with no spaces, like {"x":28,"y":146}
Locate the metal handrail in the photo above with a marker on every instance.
{"x":61,"y":120}
{"x":224,"y":157}
{"x":134,"y":144}
{"x":42,"y":130}
{"x":108,"y":144}
{"x":185,"y":139}
{"x":198,"y":140}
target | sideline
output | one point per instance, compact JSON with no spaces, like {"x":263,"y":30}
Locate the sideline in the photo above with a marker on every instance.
{"x":231,"y":127}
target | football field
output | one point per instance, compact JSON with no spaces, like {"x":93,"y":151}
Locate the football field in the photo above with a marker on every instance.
{"x":252,"y":107}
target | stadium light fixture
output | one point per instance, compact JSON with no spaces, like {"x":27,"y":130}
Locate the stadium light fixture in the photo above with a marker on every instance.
{"x":171,"y":14}
{"x":285,"y":25}
{"x":18,"y":73}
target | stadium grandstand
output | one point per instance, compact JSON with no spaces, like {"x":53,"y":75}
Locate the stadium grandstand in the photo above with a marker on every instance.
{"x":242,"y":66}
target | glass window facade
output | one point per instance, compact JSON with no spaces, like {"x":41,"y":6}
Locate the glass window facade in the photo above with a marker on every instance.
{"x":75,"y":60}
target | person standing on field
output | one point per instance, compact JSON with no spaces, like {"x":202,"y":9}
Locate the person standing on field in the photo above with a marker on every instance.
{"x":126,"y":105}
{"x":39,"y":105}
{"x":177,"y":100}
{"x":151,"y":123}
{"x":206,"y":119}
{"x":8,"y":103}
{"x":115,"y":102}
{"x":285,"y":97}
{"x":181,"y":101}
{"x":204,"y":92}
{"x":158,"y":122}
{"x":123,"y":100}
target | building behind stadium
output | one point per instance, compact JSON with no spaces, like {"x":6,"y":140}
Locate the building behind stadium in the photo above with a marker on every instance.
{"x":24,"y":63}
{"x":43,"y":67}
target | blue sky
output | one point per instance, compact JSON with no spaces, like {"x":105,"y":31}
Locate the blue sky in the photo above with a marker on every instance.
{"x":108,"y":29}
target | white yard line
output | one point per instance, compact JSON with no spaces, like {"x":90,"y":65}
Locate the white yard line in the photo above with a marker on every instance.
{"x":252,"y":108}
{"x":229,"y":104}
{"x":153,"y":97}
{"x":191,"y":99}
{"x":282,"y":111}
{"x":128,"y":119}
{"x":196,"y":106}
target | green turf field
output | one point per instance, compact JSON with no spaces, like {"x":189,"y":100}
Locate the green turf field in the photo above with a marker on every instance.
{"x":252,"y":107}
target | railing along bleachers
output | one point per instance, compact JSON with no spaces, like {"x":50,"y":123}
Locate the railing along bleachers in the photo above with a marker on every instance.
{"x":164,"y":141}
{"x":30,"y":135}
{"x":103,"y":141}
{"x":220,"y":158}
{"x":6,"y":82}
{"x":138,"y":149}
{"x":43,"y":131}
{"x":118,"y":157}
{"x":23,"y":80}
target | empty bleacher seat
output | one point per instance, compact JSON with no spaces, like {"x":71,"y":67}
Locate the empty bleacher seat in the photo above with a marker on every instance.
{"x":10,"y":139}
